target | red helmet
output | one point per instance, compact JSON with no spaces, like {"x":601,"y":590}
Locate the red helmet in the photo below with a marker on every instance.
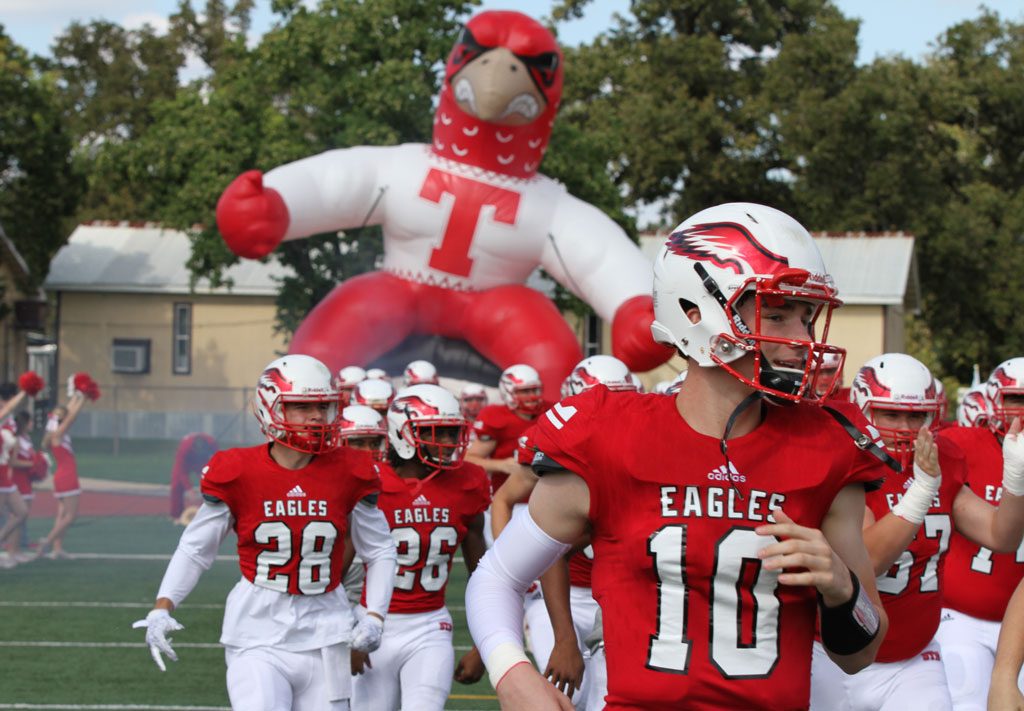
{"x":417,"y":420}
{"x":297,"y":379}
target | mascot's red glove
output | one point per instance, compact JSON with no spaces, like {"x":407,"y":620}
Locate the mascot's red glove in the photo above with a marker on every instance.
{"x":632,"y":342}
{"x":252,"y":219}
{"x":30,"y":383}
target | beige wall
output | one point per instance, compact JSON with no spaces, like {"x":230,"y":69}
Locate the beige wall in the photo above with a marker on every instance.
{"x":232,"y":340}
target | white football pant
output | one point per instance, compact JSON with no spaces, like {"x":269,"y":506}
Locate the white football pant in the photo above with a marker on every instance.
{"x":275,"y":680}
{"x":969,"y":653}
{"x":412,"y":668}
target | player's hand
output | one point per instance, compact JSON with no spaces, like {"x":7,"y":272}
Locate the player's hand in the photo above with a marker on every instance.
{"x":360,"y":662}
{"x":926,"y":454}
{"x":1013,"y":459}
{"x":252,"y":219}
{"x":524,"y":689}
{"x":470,"y":668}
{"x":565,"y":666}
{"x":158,"y":623}
{"x":805,"y":558}
{"x":1003,"y":694}
{"x":367,"y":633}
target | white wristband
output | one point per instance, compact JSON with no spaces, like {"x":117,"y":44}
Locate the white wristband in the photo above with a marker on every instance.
{"x":919,"y":497}
{"x":1013,"y":465}
{"x":505,"y":656}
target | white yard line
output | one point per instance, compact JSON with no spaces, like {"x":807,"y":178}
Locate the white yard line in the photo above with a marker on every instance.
{"x":114,"y":707}
{"x":122,"y":645}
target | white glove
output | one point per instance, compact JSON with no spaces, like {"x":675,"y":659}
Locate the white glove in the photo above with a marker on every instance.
{"x":367,"y":633}
{"x":158,"y":623}
{"x":1013,"y":463}
{"x":71,"y":386}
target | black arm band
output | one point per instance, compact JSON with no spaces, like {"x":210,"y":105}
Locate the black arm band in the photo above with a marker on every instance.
{"x":850,"y":627}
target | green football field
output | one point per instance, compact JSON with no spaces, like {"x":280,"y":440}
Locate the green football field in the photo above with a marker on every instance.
{"x":66,"y":640}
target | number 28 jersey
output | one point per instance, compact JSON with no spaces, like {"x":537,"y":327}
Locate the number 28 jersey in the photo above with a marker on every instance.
{"x":428,"y":523}
{"x":692,"y":620}
{"x":290,"y":524}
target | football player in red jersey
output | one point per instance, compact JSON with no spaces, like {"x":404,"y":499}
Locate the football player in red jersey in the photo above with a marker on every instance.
{"x":907,"y":529}
{"x":473,"y":399}
{"x":722,"y":521}
{"x":434,"y":503}
{"x":498,"y":427}
{"x":559,"y":627}
{"x":287,"y":624}
{"x":348,"y":378}
{"x":979,"y":581}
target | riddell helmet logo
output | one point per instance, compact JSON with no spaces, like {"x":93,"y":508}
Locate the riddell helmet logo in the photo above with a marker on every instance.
{"x":727,"y":245}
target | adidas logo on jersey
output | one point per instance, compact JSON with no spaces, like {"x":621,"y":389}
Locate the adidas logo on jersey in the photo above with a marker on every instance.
{"x":296,"y":491}
{"x":723,"y":474}
{"x":421,"y":500}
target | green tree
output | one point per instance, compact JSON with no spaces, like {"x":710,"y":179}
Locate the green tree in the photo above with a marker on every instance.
{"x":39,"y":188}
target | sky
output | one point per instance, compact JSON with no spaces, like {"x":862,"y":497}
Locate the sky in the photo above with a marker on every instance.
{"x":888,"y":26}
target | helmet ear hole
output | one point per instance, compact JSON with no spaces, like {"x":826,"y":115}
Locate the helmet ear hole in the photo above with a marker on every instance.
{"x":691,"y":310}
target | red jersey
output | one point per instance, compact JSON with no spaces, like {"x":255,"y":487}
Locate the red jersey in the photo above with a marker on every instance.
{"x":499,"y":424}
{"x":912,"y":588}
{"x":428,"y":525}
{"x":581,"y":566}
{"x":698,"y":623}
{"x":290,"y":524}
{"x":979,"y":582}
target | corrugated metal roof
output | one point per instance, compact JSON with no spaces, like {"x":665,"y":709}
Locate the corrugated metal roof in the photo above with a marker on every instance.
{"x":867,"y":268}
{"x":125,"y":257}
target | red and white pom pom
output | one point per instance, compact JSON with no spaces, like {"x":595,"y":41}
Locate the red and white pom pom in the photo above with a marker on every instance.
{"x":30,"y":383}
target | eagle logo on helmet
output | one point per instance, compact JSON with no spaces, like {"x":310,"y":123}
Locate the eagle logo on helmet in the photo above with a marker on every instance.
{"x":868,"y":383}
{"x":727,"y":245}
{"x":414,"y":407}
{"x":274,"y":381}
{"x":1003,"y":378}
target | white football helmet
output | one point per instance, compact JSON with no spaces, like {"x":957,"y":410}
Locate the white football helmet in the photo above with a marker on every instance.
{"x":830,"y":376}
{"x":297,"y":379}
{"x":520,"y":389}
{"x":972,"y":410}
{"x":376,"y":374}
{"x":348,"y":378}
{"x":896,"y":381}
{"x":364,"y":428}
{"x":419,"y":372}
{"x":376,"y":394}
{"x":940,"y":395}
{"x":717,"y":257}
{"x":425,"y":422}
{"x":1006,"y":381}
{"x":472,"y":400}
{"x":599,"y":370}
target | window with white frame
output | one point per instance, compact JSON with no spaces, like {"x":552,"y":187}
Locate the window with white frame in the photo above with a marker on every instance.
{"x":181,"y":353}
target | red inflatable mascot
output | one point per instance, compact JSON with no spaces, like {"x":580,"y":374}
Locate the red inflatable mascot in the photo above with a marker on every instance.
{"x":465,"y":221}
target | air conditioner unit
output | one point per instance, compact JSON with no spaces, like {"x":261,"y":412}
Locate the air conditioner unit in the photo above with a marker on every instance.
{"x":130,"y":356}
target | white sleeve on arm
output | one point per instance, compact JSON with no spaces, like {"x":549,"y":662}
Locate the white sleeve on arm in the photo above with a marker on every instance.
{"x":374,"y":544}
{"x":196,"y":551}
{"x":494,"y":596}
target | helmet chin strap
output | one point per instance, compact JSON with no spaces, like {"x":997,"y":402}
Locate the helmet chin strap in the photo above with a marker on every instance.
{"x":780,"y":380}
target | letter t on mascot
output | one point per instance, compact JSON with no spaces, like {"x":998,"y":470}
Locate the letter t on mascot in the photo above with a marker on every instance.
{"x":465,"y":219}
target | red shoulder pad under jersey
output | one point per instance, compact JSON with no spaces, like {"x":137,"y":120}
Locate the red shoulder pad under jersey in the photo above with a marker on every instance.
{"x":953,"y":460}
{"x":563,"y":434}
{"x":491,"y":422}
{"x":866,"y":468}
{"x":362,"y":470}
{"x":525,"y":448}
{"x":477,"y":487}
{"x":223,"y":469}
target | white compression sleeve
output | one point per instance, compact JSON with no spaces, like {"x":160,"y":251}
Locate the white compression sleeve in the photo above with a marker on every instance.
{"x":374,"y":544}
{"x":196,"y":551}
{"x":494,"y":596}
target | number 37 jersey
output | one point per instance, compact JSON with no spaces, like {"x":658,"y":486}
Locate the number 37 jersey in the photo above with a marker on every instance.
{"x":692,"y":619}
{"x":290,"y":524}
